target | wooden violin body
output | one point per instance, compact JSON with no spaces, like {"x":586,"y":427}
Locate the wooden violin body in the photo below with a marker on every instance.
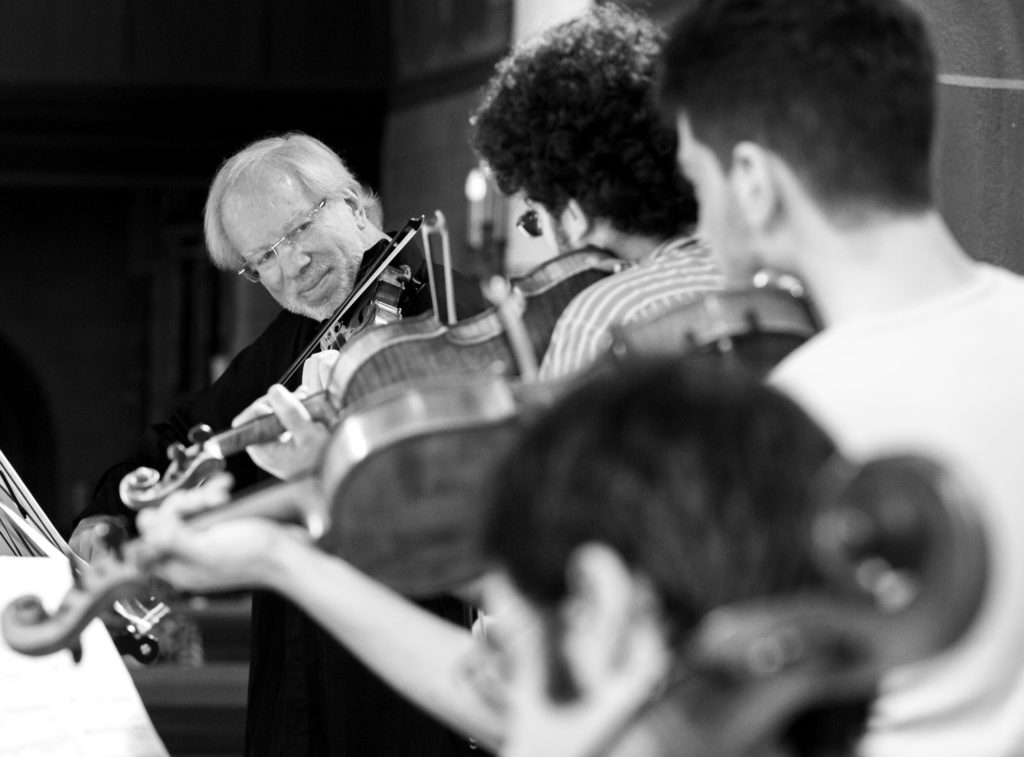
{"x":760,"y":325}
{"x":388,"y":355}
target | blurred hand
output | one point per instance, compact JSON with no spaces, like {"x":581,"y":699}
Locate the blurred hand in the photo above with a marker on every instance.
{"x":298,"y":450}
{"x":87,"y":539}
{"x":317,"y":370}
{"x":231,"y":554}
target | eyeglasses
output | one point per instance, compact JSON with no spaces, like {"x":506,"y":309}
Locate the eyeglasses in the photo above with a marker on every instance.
{"x":529,"y":224}
{"x":262,"y":262}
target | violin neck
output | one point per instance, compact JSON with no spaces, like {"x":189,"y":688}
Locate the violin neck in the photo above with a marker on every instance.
{"x":268,"y":427}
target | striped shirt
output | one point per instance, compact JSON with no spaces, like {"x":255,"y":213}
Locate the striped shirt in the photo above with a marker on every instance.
{"x":675,"y":272}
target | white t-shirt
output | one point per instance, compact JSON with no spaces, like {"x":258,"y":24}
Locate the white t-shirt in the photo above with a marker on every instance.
{"x":946,"y":379}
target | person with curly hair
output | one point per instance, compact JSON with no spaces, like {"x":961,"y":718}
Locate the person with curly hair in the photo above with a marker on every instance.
{"x":569,"y":122}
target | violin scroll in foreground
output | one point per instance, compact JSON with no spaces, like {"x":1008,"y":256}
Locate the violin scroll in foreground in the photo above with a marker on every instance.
{"x":190,"y":466}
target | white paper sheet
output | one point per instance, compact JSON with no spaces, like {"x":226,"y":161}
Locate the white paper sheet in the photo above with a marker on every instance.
{"x":51,"y":706}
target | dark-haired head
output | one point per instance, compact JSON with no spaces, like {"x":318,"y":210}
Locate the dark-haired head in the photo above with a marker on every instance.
{"x":570,"y":115}
{"x":696,"y":475}
{"x":842,"y":90}
{"x":698,"y":479}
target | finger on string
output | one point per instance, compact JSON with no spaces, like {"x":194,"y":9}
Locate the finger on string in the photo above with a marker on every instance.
{"x":288,"y":408}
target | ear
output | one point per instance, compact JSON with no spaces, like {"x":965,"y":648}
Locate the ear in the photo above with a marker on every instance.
{"x":359,"y":213}
{"x":358,"y":208}
{"x":606,"y":604}
{"x":754,"y":185}
{"x":575,"y":222}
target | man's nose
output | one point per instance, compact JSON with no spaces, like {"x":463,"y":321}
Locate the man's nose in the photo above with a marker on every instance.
{"x":293,"y":258}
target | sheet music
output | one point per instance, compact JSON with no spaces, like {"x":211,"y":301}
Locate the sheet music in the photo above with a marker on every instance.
{"x":26,"y":506}
{"x":51,"y":707}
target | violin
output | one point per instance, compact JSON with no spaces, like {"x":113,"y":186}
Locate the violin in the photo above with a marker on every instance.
{"x":381,"y":306}
{"x":480,"y":343}
{"x":756,"y":326}
{"x":190,"y":466}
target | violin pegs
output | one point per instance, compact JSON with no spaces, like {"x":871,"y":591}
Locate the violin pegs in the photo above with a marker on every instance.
{"x":199,"y":433}
{"x":176,"y":453}
{"x":75,"y":648}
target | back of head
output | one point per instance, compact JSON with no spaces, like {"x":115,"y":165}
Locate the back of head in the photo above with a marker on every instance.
{"x":306,"y":159}
{"x":570,"y":114}
{"x":697,"y":476}
{"x":842,"y":90}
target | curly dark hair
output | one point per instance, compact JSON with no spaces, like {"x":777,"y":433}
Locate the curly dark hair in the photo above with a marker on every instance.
{"x":570,"y":114}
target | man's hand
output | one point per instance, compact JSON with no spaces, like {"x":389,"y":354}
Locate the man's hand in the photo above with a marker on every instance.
{"x":318,"y":370}
{"x":87,"y":539}
{"x":231,"y":554}
{"x":298,"y":450}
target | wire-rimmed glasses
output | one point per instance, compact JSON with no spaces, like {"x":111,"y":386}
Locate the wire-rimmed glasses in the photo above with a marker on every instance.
{"x":262,"y":262}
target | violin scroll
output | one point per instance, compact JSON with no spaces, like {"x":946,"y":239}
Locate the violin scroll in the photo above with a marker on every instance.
{"x":190,"y":466}
{"x":30,"y":629}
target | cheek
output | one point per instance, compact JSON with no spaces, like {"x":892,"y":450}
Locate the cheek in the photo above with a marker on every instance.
{"x":275,"y":287}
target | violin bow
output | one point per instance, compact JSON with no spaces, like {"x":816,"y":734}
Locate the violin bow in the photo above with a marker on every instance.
{"x":398,"y":243}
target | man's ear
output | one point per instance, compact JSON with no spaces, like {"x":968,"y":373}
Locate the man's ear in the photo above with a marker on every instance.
{"x":752,"y":177}
{"x":606,"y":601}
{"x":358,"y":207}
{"x":359,"y":212}
{"x":575,"y":222}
